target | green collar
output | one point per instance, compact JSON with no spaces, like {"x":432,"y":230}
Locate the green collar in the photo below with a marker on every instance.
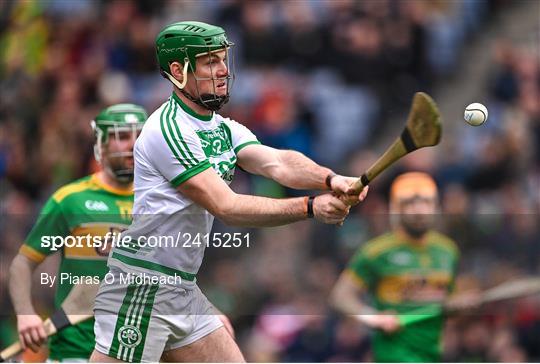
{"x":189,"y":110}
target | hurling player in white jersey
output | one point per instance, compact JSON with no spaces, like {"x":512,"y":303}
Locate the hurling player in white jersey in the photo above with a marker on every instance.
{"x":185,"y":158}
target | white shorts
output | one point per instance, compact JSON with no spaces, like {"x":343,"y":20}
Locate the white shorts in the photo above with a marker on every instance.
{"x":137,"y":323}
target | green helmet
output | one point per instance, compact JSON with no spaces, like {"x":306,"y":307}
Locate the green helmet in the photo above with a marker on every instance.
{"x":183,"y":42}
{"x":187,"y":40}
{"x":118,"y":116}
{"x":111,"y":121}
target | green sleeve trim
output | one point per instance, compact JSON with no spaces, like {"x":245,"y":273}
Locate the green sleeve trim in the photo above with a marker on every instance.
{"x":193,"y":160}
{"x":173,"y":144}
{"x":241,"y":146}
{"x":171,"y":122}
{"x":169,"y":143}
{"x":153,"y":266}
{"x":184,"y":176}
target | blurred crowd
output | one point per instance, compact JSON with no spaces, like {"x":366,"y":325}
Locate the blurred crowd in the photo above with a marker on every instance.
{"x":322,"y":77}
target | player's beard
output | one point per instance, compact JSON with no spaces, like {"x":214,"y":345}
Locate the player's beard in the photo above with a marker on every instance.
{"x":416,"y":225}
{"x":120,"y":168}
{"x":210,"y":101}
{"x":213,"y":102}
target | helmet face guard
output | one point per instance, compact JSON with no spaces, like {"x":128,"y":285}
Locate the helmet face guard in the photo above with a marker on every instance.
{"x":112,"y":162}
{"x":184,"y":42}
{"x":112,"y":124}
{"x":213,"y":101}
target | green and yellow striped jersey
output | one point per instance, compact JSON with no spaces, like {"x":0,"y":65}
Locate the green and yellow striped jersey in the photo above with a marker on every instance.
{"x":402,"y":276}
{"x":84,"y":209}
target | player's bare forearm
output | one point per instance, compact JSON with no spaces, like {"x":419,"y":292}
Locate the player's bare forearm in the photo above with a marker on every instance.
{"x":20,"y":284}
{"x":209,"y":191}
{"x":297,"y":171}
{"x":256,"y":211}
{"x":287,"y":167}
{"x":345,"y":296}
{"x":29,"y":325}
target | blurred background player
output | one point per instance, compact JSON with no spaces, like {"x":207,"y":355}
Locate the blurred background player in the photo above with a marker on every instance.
{"x":410,"y":267}
{"x":95,"y":205}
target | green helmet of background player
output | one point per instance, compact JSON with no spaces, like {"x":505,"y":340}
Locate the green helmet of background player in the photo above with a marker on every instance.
{"x":183,"y":42}
{"x":118,"y":121}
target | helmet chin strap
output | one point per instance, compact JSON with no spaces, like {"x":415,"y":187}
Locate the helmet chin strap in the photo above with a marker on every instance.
{"x":210,"y":102}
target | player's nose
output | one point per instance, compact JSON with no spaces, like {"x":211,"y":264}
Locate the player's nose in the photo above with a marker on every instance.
{"x":222,"y":70}
{"x":129,"y":145}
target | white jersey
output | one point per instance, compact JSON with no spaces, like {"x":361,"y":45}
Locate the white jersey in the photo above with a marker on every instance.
{"x":175,"y":145}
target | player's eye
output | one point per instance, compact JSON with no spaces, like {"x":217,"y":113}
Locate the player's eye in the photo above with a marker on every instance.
{"x":416,"y":200}
{"x":124,"y":135}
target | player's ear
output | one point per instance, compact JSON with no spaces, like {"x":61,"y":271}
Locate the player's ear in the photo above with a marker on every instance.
{"x":176,"y":69}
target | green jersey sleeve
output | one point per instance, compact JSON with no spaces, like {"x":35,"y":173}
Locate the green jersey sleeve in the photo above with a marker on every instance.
{"x":51,"y":223}
{"x":362,"y":268}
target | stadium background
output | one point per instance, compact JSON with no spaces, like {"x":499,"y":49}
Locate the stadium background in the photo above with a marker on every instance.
{"x":333,"y":80}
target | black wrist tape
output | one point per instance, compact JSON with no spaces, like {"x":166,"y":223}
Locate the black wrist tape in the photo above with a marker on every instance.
{"x":310,"y":206}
